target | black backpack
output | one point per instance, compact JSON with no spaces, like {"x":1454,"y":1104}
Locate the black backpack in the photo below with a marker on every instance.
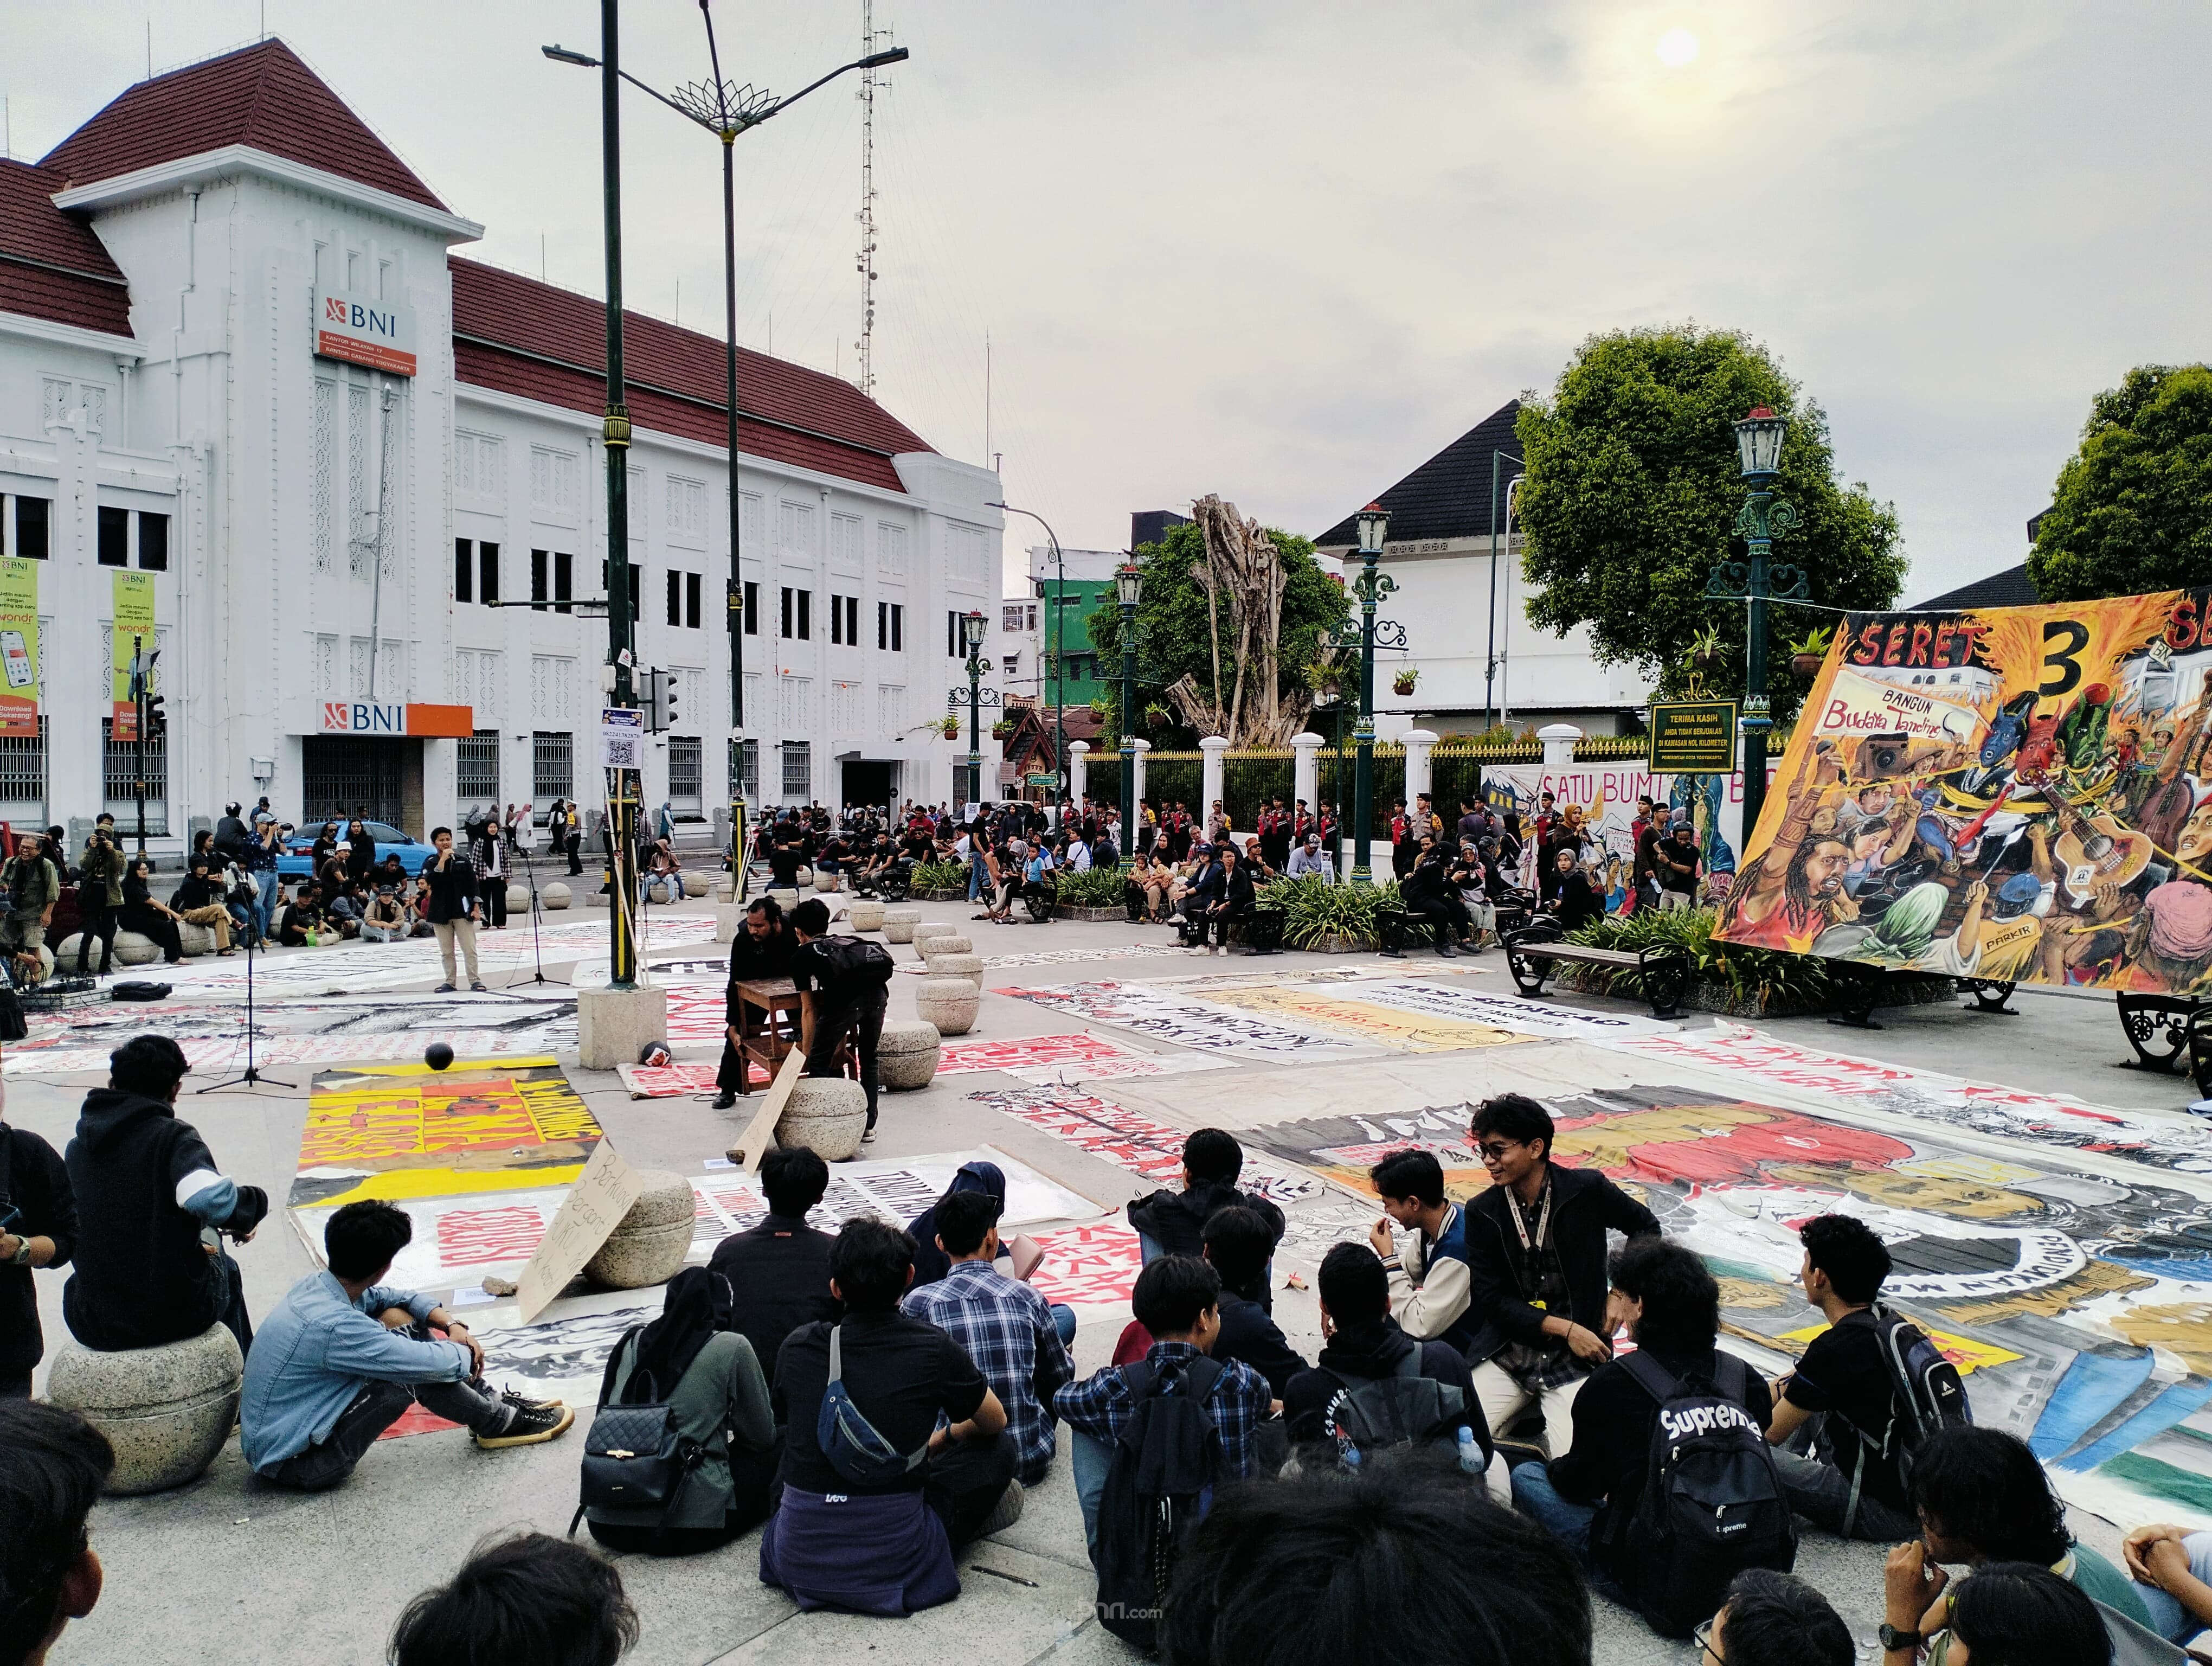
{"x":1403,"y":1409}
{"x":856,"y":962}
{"x":1159,"y":1486}
{"x":1925,"y":1394}
{"x":1712,"y":1505}
{"x":634,"y":1456}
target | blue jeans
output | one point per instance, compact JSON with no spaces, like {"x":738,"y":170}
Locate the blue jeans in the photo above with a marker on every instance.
{"x":1063,"y":1321}
{"x":979,"y":878}
{"x":1535,"y":1496}
{"x":1088,"y":1460}
{"x":264,"y":902}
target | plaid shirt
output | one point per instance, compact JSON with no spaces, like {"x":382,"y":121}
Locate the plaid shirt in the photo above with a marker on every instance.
{"x":1101,"y":1406}
{"x":1007,"y":1329}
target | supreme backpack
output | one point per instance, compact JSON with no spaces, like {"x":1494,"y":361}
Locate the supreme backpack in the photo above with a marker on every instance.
{"x":1403,"y":1409}
{"x":1712,"y":1503}
{"x":1925,"y":1394}
{"x":1159,"y":1486}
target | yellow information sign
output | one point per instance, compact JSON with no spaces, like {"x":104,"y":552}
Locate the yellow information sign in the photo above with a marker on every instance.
{"x":134,"y":633}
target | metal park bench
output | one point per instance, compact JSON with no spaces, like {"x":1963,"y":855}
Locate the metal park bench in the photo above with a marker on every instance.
{"x":1533,"y":952}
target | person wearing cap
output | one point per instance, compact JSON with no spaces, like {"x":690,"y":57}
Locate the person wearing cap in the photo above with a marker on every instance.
{"x":1311,"y":862}
{"x":258,"y":859}
{"x":2169,"y":946}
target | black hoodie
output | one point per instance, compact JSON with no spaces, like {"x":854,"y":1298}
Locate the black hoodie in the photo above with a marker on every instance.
{"x":1365,"y":1353}
{"x":146,"y":1185}
{"x":1176,"y":1220}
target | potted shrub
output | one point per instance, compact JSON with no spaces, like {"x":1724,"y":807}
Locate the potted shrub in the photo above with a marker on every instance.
{"x":1002,"y":729}
{"x":1402,"y":684}
{"x":1810,"y":653}
{"x":949,"y":728}
{"x":1157,"y":716}
{"x":1706,"y":648}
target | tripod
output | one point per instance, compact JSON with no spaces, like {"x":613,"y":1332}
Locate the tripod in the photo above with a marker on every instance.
{"x":537,"y":945}
{"x":253,"y":1077}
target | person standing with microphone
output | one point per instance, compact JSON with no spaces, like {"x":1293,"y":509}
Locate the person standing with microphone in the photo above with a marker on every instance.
{"x":453,"y":900}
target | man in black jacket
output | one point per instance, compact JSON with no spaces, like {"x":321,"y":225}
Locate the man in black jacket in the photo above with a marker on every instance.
{"x":150,"y":1267}
{"x":1170,"y":1223}
{"x":762,"y":948}
{"x":779,"y":1271}
{"x":1536,"y":1255}
{"x":1361,"y":1343}
{"x":837,"y":997}
{"x":452,"y":875}
{"x":38,"y":1228}
{"x":1239,"y":1243}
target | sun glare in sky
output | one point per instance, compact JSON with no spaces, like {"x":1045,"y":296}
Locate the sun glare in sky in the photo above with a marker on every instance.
{"x":1677,"y":47}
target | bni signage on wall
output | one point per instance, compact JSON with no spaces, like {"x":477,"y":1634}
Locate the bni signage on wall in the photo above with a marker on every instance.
{"x":380,"y":334}
{"x":369,"y":717}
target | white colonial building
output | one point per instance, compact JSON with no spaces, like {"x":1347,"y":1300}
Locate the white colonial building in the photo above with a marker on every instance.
{"x":247,"y":388}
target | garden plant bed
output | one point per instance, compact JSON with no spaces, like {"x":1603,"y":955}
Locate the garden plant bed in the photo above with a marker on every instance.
{"x":1710,"y":994}
{"x":1096,"y":916}
{"x":1729,"y":978}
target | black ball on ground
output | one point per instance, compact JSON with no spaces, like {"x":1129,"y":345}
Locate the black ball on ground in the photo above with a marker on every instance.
{"x":437,"y":1056}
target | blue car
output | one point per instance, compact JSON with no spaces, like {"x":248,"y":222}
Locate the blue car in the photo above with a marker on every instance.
{"x":296,"y":863}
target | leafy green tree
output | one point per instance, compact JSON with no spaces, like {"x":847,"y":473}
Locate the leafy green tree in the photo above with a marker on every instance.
{"x":1633,"y":492}
{"x":1172,"y":625}
{"x":2132,"y":511}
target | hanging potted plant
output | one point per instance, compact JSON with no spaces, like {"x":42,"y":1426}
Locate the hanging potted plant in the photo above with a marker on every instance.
{"x":1157,"y":716}
{"x":1810,"y":653}
{"x":1706,"y":648}
{"x":1402,"y":684}
{"x":949,"y":727}
{"x":1002,"y":729}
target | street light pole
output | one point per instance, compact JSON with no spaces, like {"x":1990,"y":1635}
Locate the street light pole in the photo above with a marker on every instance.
{"x":1370,"y":587}
{"x":1755,"y":582}
{"x":1498,"y":455}
{"x":1128,"y":586}
{"x":1058,"y":634}
{"x":622,"y":787}
{"x":972,"y":627}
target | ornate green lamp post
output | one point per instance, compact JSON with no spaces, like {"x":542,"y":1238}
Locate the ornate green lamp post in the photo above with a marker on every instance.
{"x":1370,"y":586}
{"x":1754,"y":581}
{"x":1128,"y":588}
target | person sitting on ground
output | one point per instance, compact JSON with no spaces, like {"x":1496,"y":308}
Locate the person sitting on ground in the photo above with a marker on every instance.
{"x":2172,"y":1567}
{"x":916,"y":1459}
{"x":778,"y":1270}
{"x":520,"y":1597}
{"x":839,"y":996}
{"x":39,"y":1211}
{"x":1588,"y":1494}
{"x":384,"y":920}
{"x":1403,"y":1561}
{"x":2009,"y":1614}
{"x":52,"y":1467}
{"x":1982,"y":1496}
{"x":763,"y":949}
{"x":1773,"y":1619}
{"x":198,"y":901}
{"x":1173,"y":1223}
{"x":150,"y":1200}
{"x":1238,"y":1244}
{"x":1833,"y":1411}
{"x":1429,"y":1273}
{"x":1007,"y":1329}
{"x":301,"y":920}
{"x":1536,"y":1266}
{"x":1178,"y":1299}
{"x":692,"y":1360}
{"x":1362,"y":1343}
{"x":1146,"y":888}
{"x":343,"y":1356}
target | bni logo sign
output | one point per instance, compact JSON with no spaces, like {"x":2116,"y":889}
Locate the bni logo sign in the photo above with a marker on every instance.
{"x":380,"y":334}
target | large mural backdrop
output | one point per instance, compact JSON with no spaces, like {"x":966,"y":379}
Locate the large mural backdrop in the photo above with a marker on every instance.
{"x":2005,"y":794}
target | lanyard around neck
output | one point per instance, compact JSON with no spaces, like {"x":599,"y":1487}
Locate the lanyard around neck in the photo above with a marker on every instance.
{"x":1543,"y":1217}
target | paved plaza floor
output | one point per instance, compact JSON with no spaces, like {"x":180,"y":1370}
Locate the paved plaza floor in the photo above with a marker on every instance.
{"x":2049,"y":1207}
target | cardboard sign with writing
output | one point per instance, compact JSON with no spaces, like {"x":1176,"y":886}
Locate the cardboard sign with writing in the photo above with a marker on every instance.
{"x":760,"y":1133}
{"x":602,"y":1195}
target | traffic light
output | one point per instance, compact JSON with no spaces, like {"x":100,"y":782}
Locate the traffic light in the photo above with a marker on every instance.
{"x":659,"y":700}
{"x":157,"y":719}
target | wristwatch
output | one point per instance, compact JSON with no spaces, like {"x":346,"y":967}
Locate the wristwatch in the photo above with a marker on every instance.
{"x":22,"y":1255}
{"x":1890,"y":1638}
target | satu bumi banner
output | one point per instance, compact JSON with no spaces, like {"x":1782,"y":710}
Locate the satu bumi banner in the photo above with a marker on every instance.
{"x":2012,"y":794}
{"x":18,"y":645}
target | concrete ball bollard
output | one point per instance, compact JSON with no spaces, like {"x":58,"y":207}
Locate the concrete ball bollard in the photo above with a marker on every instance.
{"x":696,"y":883}
{"x":195,"y":940}
{"x":906,"y":1057}
{"x":899,"y":924}
{"x":826,"y":1114}
{"x":166,"y":1411}
{"x":949,"y":1003}
{"x":648,"y":1246}
{"x":554,"y":896}
{"x":595,"y":899}
{"x":518,"y":899}
{"x":824,"y":883}
{"x":133,"y":950}
{"x":944,"y":943}
{"x":969,"y":966}
{"x":867,"y":913}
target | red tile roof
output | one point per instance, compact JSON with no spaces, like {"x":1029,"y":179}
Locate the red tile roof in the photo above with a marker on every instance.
{"x":51,"y":266}
{"x":261,"y":95}
{"x":515,"y":335}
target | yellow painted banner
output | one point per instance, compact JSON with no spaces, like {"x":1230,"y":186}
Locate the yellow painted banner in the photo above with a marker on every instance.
{"x":2015,"y":794}
{"x":1963,"y":1351}
{"x":18,"y":645}
{"x":134,"y":633}
{"x":1407,"y":1032}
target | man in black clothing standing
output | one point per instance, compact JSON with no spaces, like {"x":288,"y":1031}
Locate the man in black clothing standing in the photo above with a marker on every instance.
{"x":38,"y":1228}
{"x":151,"y":1201}
{"x":452,"y":877}
{"x":779,"y":1271}
{"x":99,"y":895}
{"x":837,"y":998}
{"x":762,"y":948}
{"x":1535,"y":1256}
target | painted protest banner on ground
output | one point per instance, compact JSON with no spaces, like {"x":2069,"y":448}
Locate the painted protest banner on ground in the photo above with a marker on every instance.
{"x":1998,"y":792}
{"x":1205,"y":1026}
{"x":1097,"y":1263}
{"x":1065,"y":1058}
{"x":1460,"y":1003}
{"x":1059,"y":956}
{"x":1340,"y":1012}
{"x":1134,"y":1141}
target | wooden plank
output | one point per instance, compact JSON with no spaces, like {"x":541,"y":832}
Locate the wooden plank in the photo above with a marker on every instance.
{"x":760,"y":1133}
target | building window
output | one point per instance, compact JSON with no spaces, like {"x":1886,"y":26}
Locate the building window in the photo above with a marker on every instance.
{"x":686,"y":776}
{"x":487,"y":572}
{"x":119,"y":779}
{"x":114,"y":536}
{"x":795,"y":527}
{"x":552,"y":765}
{"x":476,"y":778}
{"x":890,"y":627}
{"x":479,"y":466}
{"x":554,"y":482}
{"x":464,"y":570}
{"x":1013,"y":665}
{"x":845,"y":542}
{"x":752,"y":608}
{"x":952,"y":634}
{"x":153,"y":543}
{"x":691,"y":586}
{"x":564,"y":581}
{"x":23,"y":772}
{"x":31,"y":523}
{"x":540,"y":563}
{"x":798,"y":771}
{"x":1009,"y":617}
{"x":966,"y":554}
{"x":327,"y":445}
{"x":675,"y":598}
{"x":836,"y":620}
{"x":798,"y":614}
{"x":686,"y":511}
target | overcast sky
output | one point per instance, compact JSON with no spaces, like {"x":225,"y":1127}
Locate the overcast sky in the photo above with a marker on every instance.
{"x":1285,"y":252}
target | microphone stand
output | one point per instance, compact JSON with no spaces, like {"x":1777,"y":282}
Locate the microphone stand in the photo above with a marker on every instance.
{"x":253,"y":1077}
{"x":537,"y":945}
